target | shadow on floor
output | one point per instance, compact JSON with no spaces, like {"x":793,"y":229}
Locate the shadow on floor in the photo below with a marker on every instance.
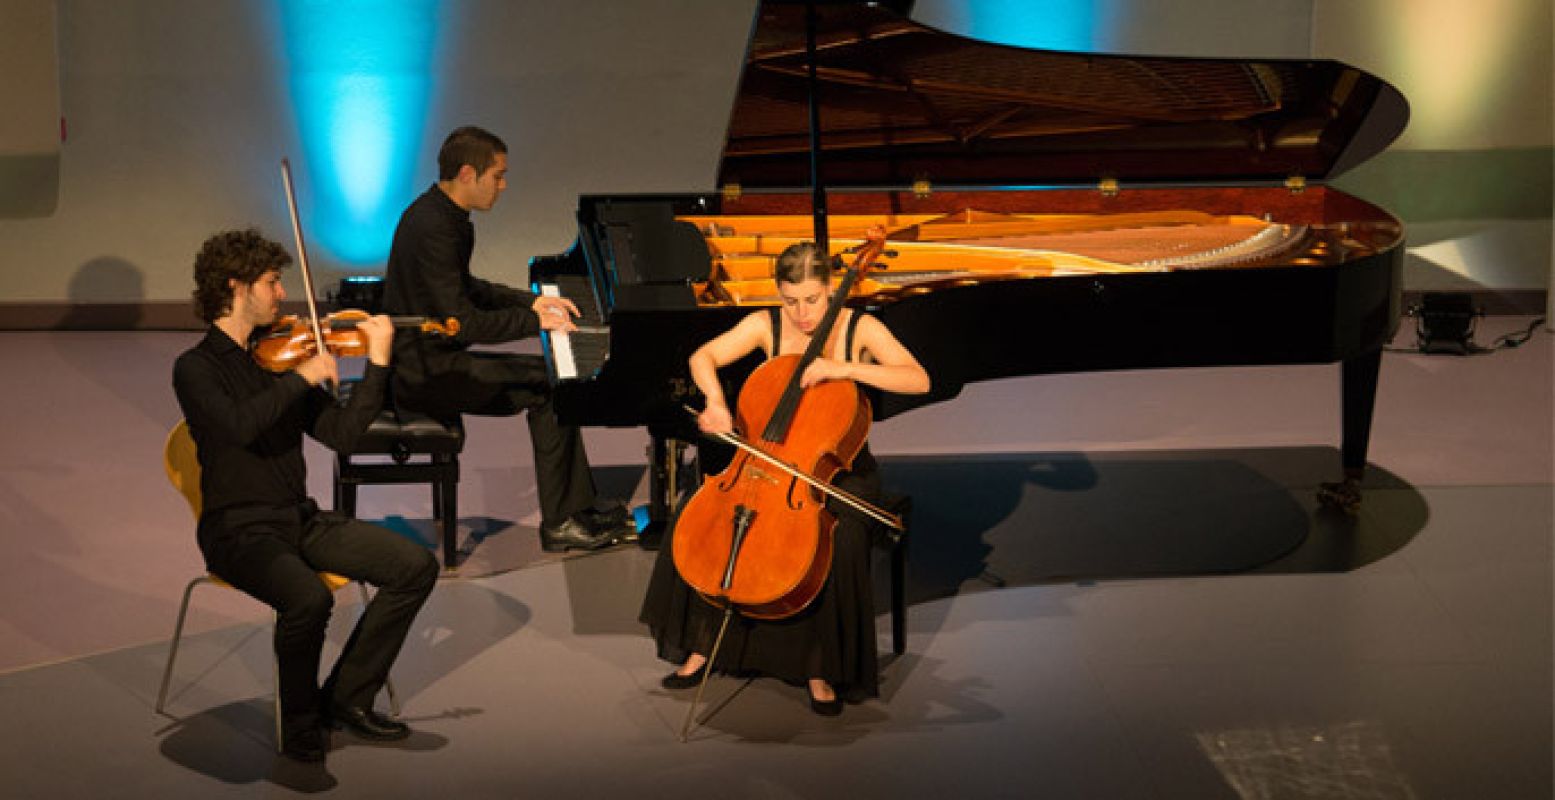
{"x":987,"y":521}
{"x":1020,"y":519}
{"x":235,"y":744}
{"x":492,"y":545}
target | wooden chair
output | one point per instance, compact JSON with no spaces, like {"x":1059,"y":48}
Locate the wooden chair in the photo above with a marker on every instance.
{"x":895,"y":543}
{"x":182,"y":464}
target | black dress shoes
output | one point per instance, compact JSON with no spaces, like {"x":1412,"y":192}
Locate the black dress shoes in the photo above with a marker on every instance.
{"x":675,"y":680}
{"x":576,"y":533}
{"x":307,"y":745}
{"x":613,"y":515}
{"x":614,"y":518}
{"x":369,"y":724}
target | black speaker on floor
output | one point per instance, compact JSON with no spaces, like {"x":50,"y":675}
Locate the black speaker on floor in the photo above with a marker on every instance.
{"x":1444,"y":323}
{"x":360,"y":291}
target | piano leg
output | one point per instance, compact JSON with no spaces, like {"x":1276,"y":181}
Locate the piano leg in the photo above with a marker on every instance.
{"x":1358,"y":386}
{"x":664,"y":456}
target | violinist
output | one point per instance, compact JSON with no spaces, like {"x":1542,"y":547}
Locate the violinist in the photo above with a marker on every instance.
{"x":429,"y":275}
{"x":258,"y":529}
{"x":830,"y":646}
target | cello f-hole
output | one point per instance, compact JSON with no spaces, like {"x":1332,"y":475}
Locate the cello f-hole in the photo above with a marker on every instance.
{"x":796,"y":494}
{"x":732,"y":473}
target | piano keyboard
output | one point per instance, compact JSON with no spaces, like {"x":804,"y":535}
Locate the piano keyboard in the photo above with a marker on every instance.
{"x":582,"y":352}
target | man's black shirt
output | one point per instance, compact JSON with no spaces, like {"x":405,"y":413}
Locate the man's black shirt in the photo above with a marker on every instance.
{"x":248,"y":423}
{"x":428,"y":275}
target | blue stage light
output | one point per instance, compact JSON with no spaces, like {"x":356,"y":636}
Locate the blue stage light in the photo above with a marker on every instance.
{"x":1045,"y":24}
{"x":360,"y":75}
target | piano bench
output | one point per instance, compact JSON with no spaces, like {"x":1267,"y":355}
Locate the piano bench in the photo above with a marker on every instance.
{"x":895,"y":543}
{"x":406,"y":447}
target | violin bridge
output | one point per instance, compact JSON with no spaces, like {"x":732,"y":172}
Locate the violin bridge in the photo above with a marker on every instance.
{"x":762,"y":475}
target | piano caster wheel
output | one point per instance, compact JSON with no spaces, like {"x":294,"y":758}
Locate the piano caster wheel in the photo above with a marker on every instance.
{"x":1343,"y":496}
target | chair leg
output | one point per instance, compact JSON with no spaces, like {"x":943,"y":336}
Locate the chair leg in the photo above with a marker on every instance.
{"x":275,"y":660}
{"x":339,"y":464}
{"x":345,"y":490}
{"x":448,"y":509}
{"x":394,"y":698}
{"x":178,"y":633}
{"x":899,"y":596}
{"x":172,"y":656}
{"x":437,"y":500}
{"x":388,"y":683}
{"x":437,"y":520}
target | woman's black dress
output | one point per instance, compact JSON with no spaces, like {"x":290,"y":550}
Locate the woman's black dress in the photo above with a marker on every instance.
{"x":833,"y":639}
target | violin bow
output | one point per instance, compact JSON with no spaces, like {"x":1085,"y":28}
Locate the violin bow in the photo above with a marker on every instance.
{"x":302,"y":255}
{"x":849,"y":499}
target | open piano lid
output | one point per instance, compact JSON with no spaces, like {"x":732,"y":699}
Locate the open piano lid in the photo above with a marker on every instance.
{"x":902,"y":103}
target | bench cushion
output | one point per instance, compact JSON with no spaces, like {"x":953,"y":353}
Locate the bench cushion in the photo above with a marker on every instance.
{"x":409,"y":432}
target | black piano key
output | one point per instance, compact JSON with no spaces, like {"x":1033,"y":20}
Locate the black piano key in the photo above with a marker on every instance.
{"x":580,"y":290}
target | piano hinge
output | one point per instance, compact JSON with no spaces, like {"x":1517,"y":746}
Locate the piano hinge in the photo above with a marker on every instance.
{"x":731,"y":191}
{"x":922,"y":187}
{"x":1108,"y":187}
{"x":1296,"y":184}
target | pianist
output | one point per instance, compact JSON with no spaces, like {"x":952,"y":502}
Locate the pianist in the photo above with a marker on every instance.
{"x":429,"y":275}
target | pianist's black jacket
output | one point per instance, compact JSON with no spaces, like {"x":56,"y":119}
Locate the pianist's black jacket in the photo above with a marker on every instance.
{"x":429,"y":276}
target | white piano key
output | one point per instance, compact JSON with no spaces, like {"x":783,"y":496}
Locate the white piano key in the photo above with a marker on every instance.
{"x":561,"y":343}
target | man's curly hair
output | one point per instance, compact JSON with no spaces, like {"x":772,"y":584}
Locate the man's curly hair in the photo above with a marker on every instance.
{"x":241,"y":256}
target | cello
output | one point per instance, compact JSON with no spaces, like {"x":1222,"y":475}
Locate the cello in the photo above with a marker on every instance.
{"x":757,"y":538}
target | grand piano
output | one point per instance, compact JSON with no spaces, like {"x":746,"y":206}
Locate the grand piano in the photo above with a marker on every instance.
{"x":1046,"y":212}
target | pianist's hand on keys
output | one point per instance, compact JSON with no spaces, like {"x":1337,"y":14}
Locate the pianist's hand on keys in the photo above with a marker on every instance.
{"x":578,"y":350}
{"x":555,"y":313}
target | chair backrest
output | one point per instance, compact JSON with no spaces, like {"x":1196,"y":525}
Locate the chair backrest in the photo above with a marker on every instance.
{"x":182,"y":463}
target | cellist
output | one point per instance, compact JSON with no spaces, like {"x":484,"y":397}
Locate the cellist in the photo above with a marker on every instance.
{"x":830,"y":646}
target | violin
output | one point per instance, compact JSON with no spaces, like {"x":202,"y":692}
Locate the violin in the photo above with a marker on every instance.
{"x":291,"y":340}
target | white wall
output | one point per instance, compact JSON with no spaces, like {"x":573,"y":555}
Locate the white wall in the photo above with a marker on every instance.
{"x":1472,"y":176}
{"x":29,"y":95}
{"x":1202,"y":28}
{"x":178,"y":117}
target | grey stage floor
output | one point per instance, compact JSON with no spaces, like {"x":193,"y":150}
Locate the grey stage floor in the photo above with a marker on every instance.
{"x":1121,"y":588}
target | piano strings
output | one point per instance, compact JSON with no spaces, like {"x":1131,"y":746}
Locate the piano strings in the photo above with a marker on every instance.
{"x":934,"y":251}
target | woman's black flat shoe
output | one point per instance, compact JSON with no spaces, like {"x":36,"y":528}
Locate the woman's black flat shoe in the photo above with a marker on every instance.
{"x":826,"y":708}
{"x":675,"y":680}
